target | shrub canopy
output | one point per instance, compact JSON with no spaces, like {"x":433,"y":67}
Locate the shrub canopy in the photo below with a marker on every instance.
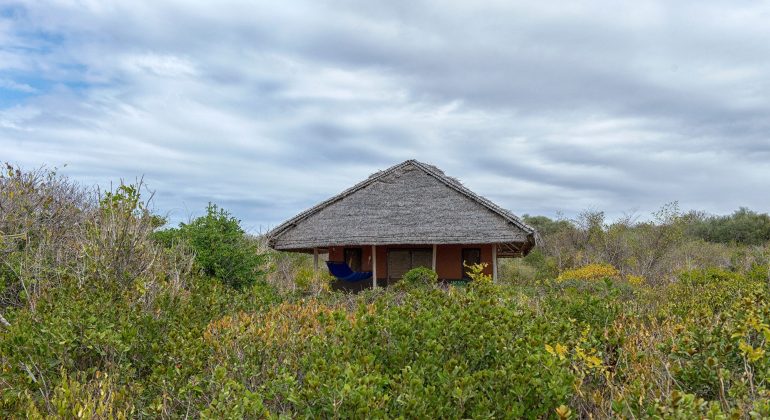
{"x":222,"y":249}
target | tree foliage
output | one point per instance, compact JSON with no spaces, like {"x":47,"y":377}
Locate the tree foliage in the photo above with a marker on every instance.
{"x":742,"y":227}
{"x":654,"y":249}
{"x":222,"y":248}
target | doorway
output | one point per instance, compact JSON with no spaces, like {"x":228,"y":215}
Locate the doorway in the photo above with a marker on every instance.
{"x":470,"y":256}
{"x":402,"y":260}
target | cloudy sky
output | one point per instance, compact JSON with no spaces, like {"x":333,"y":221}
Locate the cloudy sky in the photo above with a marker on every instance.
{"x":269,"y":107}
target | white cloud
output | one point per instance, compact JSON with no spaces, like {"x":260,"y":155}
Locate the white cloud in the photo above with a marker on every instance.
{"x":160,"y":65}
{"x":21,"y":87}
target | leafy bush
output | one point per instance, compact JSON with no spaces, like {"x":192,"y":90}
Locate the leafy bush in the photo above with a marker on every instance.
{"x":41,"y":220}
{"x":476,"y":273}
{"x":100,"y":397}
{"x":222,"y":249}
{"x":287,"y":270}
{"x":445,"y":354}
{"x":743,"y":227}
{"x":419,"y":276}
{"x":308,"y":281}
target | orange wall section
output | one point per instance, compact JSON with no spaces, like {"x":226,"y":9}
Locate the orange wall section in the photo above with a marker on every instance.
{"x":448,"y":264}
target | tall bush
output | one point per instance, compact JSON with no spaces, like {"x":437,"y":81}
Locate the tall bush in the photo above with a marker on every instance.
{"x":222,"y":248}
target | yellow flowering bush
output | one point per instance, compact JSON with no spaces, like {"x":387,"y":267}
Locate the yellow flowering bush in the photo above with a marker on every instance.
{"x":476,"y":273}
{"x":635,"y":280}
{"x":590,"y":272}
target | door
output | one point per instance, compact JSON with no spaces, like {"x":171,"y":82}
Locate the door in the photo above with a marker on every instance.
{"x":422,"y":258}
{"x":399,"y":262}
{"x":402,"y":260}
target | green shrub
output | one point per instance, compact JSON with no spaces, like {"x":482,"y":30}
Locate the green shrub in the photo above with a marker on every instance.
{"x":477,"y":275}
{"x":708,"y":292}
{"x":743,"y":227}
{"x":153,"y":353}
{"x":100,"y":397}
{"x":419,"y":276}
{"x":437,"y":353}
{"x":222,"y":249}
{"x":686,"y":406}
{"x":308,"y":281}
{"x":542,"y":266}
{"x":232,"y":400}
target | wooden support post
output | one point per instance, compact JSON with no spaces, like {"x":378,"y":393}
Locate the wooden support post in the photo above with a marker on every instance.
{"x":434,"y":257}
{"x":494,"y":263}
{"x":374,"y":266}
{"x":315,"y":259}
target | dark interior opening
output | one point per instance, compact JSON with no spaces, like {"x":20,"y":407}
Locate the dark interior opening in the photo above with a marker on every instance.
{"x":353,"y":258}
{"x":470,"y":256}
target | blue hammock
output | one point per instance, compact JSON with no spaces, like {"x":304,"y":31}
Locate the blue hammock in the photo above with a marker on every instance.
{"x":342,"y":271}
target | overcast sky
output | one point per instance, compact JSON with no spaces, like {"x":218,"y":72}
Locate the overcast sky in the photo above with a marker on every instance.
{"x":269,"y":107}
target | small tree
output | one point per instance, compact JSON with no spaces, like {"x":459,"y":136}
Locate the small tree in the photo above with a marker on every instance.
{"x":222,"y":249}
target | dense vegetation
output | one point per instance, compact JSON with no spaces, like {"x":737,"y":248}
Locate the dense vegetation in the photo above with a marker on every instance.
{"x":104,"y":314}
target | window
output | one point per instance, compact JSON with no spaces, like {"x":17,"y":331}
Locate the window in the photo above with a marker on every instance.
{"x":470,"y":256}
{"x":353,"y":258}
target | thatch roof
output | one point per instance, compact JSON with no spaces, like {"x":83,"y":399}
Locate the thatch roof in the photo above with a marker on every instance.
{"x":410,"y":203}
